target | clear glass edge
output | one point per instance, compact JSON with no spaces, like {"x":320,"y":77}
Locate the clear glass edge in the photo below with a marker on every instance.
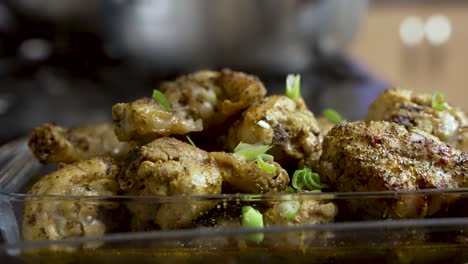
{"x":432,"y":223}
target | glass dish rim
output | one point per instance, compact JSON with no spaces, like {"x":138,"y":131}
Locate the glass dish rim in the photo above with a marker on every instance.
{"x":239,"y":231}
{"x":247,"y":197}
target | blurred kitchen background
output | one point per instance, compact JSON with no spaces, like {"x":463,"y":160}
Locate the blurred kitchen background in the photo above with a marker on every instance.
{"x":69,"y":61}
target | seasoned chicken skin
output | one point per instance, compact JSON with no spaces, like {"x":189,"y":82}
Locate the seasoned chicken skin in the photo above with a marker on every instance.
{"x":309,"y":212}
{"x":167,"y":166}
{"x":199,"y":101}
{"x":240,"y":175}
{"x":287,"y":125}
{"x":59,"y":218}
{"x":415,"y":110}
{"x":213,"y":96}
{"x":56,"y":144}
{"x":380,"y":156}
{"x":145,"y":119}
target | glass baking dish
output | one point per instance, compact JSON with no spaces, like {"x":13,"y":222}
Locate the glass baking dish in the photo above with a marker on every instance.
{"x":352,"y":237}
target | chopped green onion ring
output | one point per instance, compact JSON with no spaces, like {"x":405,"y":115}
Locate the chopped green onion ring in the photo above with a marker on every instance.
{"x":297,"y":180}
{"x":305,"y":179}
{"x":256,"y":152}
{"x":289,"y":209}
{"x":251,"y":218}
{"x":333,"y":116}
{"x":162,"y":100}
{"x":293,"y":86}
{"x":190,"y":141}
{"x":250,"y":151}
{"x":265,"y":166}
{"x":438,"y":100}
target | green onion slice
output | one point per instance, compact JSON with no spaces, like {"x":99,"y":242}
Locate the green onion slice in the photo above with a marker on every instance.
{"x":250,"y":151}
{"x":256,"y":152}
{"x":252,"y":218}
{"x":305,"y":179}
{"x":333,"y":116}
{"x":190,"y":141}
{"x":289,"y":209}
{"x":265,"y":166}
{"x":162,"y":100}
{"x":438,"y":100}
{"x":209,"y":96}
{"x":293,"y":86}
{"x":289,"y":189}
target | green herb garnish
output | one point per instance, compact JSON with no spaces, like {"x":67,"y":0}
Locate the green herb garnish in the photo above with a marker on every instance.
{"x":289,"y":209}
{"x":305,"y":179}
{"x":209,"y":95}
{"x":333,"y":116}
{"x":252,"y":218}
{"x":293,"y":86}
{"x":251,"y":151}
{"x":265,"y":166}
{"x":190,"y":140}
{"x":256,"y":152}
{"x":438,"y":101}
{"x":162,"y":100}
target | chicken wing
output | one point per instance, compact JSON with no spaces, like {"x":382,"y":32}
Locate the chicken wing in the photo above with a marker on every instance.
{"x":213,"y":96}
{"x":55,"y":144}
{"x":415,"y":110}
{"x":287,"y":125}
{"x":240,"y":175}
{"x":56,"y":219}
{"x":144,"y":120}
{"x":199,"y":101}
{"x":167,"y":166}
{"x":380,"y":156}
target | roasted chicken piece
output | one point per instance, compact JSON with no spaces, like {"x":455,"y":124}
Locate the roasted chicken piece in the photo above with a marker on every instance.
{"x":60,"y":218}
{"x":199,"y":101}
{"x":415,"y":110}
{"x":213,"y":96}
{"x":287,"y":125}
{"x":381,"y":156}
{"x":240,"y":175}
{"x":145,"y":119}
{"x":309,"y":211}
{"x":56,"y":144}
{"x":167,"y":166}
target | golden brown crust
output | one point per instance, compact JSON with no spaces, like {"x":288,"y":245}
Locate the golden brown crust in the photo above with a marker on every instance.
{"x":245,"y":176}
{"x":167,"y":166}
{"x":54,"y":144}
{"x":309,"y":212}
{"x":415,"y":110}
{"x":380,"y":156}
{"x":145,"y":120}
{"x":58,"y":218}
{"x":286,"y":125}
{"x":203,"y":100}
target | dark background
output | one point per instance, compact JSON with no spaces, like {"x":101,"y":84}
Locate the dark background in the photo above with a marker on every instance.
{"x":62,"y":73}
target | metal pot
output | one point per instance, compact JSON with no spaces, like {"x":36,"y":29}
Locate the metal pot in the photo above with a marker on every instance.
{"x":270,"y":35}
{"x":267,"y":35}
